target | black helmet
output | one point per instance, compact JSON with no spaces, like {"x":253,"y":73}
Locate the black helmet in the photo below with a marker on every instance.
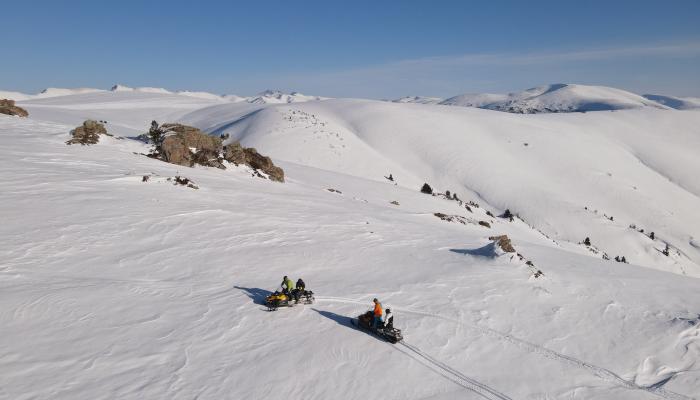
{"x":285,"y":277}
{"x":375,"y":300}
{"x":388,"y":310}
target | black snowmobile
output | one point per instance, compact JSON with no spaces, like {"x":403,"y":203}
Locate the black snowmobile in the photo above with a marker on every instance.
{"x":282,"y":299}
{"x":386,"y":332}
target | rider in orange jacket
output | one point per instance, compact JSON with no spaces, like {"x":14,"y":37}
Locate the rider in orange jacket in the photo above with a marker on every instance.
{"x":377,"y":313}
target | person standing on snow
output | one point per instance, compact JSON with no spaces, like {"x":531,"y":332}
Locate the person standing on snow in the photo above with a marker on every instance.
{"x":377,"y":313}
{"x":287,"y":286}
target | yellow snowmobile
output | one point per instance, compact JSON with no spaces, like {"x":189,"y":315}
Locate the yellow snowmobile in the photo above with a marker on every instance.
{"x":282,"y":299}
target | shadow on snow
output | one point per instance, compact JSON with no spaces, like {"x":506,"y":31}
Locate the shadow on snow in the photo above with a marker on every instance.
{"x":339,"y":319}
{"x":486,"y":251}
{"x":256,"y":294}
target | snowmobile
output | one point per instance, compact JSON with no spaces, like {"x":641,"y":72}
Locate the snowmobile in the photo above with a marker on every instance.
{"x":388,"y":333}
{"x":282,"y":299}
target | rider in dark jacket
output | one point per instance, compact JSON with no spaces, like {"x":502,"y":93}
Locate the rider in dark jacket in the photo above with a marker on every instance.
{"x":301,"y":287}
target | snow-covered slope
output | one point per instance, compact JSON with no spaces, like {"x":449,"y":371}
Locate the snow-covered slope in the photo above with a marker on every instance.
{"x":418,"y":100}
{"x":679,"y":103}
{"x":557,"y":98}
{"x":135,"y":108}
{"x":540,"y":167}
{"x":112,"y":287}
{"x":117,"y":288}
{"x":58,"y":92}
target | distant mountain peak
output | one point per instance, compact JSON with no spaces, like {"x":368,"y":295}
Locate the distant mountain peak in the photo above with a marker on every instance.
{"x":556,"y":98}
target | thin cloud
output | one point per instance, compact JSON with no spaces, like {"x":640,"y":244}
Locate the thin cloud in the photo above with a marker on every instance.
{"x":447,"y":75}
{"x":491,"y":59}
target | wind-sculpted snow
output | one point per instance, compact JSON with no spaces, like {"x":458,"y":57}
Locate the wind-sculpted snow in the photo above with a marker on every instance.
{"x":115,"y":286}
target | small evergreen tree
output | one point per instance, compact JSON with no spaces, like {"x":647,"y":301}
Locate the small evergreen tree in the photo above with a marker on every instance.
{"x":157,"y":135}
{"x":652,"y":236}
{"x":587,"y":241}
{"x":426,"y":189}
{"x":508,"y":214}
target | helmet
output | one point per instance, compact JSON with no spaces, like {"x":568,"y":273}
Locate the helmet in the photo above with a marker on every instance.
{"x":375,"y":300}
{"x":285,"y":277}
{"x":388,"y":310}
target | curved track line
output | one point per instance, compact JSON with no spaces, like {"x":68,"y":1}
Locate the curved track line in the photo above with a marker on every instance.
{"x":600,"y":372}
{"x":457,"y":377}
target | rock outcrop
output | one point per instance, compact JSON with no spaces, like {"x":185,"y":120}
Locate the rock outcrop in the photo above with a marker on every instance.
{"x":237,"y":154}
{"x":8,"y":107}
{"x":504,"y":243}
{"x":187,"y":146}
{"x":88,"y":133}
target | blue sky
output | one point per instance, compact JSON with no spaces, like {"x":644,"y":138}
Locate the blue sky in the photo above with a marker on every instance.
{"x":373,"y":49}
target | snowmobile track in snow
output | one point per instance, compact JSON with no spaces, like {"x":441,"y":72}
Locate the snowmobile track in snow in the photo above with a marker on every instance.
{"x":600,"y":372}
{"x":456,"y":376}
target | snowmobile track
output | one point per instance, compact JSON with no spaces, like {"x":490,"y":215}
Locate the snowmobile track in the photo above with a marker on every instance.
{"x":600,"y":372}
{"x":456,"y":376}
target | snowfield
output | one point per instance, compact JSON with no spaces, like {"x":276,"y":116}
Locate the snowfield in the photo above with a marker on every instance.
{"x":112,"y":287}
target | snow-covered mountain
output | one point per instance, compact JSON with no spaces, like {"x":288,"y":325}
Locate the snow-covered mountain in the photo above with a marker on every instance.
{"x":277,"y":97}
{"x":146,"y":89}
{"x":18,"y":96}
{"x":557,"y":98}
{"x":117,"y":286}
{"x":265,"y":97}
{"x":418,"y":100}
{"x":480,"y":100}
{"x":679,"y":103}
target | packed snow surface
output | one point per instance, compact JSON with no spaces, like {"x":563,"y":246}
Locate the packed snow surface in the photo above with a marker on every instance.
{"x":112,"y":287}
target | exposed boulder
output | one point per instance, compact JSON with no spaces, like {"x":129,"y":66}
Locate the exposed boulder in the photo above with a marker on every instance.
{"x":263,"y":163}
{"x":174,"y":151}
{"x":237,"y":154}
{"x":192,"y":137}
{"x":88,"y":133}
{"x":8,"y":107}
{"x":187,"y":146}
{"x":234,"y":153}
{"x":503,"y":241}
